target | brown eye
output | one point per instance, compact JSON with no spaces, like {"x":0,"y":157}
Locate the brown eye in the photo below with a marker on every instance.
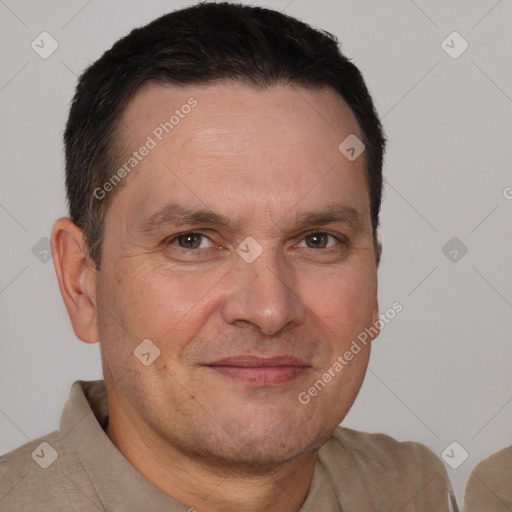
{"x":190,"y":240}
{"x":319,"y":240}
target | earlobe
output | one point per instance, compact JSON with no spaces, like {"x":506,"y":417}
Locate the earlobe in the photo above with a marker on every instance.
{"x":76,"y":276}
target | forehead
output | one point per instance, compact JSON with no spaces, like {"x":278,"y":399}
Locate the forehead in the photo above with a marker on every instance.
{"x":317,"y":115}
{"x":228,"y":142}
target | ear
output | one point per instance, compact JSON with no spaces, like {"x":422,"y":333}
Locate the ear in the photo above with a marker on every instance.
{"x":77,"y":277}
{"x":375,"y":312}
{"x":378,"y":249}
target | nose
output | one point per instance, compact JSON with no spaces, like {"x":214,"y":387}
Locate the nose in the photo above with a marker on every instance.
{"x":264,"y":294}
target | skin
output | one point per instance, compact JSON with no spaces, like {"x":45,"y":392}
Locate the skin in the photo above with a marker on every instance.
{"x":261,"y":158}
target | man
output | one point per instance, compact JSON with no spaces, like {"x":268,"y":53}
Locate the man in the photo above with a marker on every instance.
{"x":224,"y":175}
{"x":489,"y":487}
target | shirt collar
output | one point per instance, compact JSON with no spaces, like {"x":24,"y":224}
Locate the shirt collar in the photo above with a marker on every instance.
{"x":118,"y":484}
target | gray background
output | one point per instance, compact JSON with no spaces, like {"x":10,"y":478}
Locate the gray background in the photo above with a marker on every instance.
{"x":440,"y":371}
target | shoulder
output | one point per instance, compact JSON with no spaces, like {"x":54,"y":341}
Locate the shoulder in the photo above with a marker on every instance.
{"x":382,"y":450}
{"x":386,"y":469}
{"x":39,"y":453}
{"x":490,"y":485}
{"x":24,"y":467}
{"x":39,"y":476}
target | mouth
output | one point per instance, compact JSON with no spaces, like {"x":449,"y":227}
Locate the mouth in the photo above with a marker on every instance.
{"x":261,"y":371}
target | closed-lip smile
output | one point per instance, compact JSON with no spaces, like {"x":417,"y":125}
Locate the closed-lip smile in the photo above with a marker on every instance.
{"x":260,"y":370}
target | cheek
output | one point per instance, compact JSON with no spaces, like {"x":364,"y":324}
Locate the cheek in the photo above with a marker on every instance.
{"x":159,"y":303}
{"x":344,"y":302}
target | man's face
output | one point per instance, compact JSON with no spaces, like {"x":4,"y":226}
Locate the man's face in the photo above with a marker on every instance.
{"x":239,"y":340}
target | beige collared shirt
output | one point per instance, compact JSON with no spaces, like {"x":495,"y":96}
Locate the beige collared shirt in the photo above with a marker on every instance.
{"x":489,"y":487}
{"x":79,"y":469}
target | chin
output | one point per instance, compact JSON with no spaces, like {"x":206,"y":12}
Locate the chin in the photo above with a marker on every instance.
{"x":256,"y":447}
{"x":257,"y":458}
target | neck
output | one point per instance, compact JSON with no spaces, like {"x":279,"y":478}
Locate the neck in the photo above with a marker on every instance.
{"x":206,"y":485}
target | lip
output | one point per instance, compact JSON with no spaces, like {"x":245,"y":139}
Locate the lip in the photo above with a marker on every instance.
{"x":259,"y":361}
{"x":261,"y":371}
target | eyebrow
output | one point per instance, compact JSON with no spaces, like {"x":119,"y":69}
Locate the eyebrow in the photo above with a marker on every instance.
{"x":175,"y":214}
{"x":332,"y":214}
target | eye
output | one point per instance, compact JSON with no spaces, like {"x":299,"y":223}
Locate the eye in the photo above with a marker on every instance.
{"x":191,"y":240}
{"x":320,"y":240}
